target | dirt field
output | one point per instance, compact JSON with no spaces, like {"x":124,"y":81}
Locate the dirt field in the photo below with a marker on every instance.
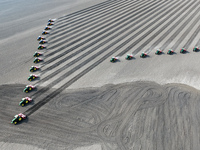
{"x":140,"y":115}
{"x":84,"y":102}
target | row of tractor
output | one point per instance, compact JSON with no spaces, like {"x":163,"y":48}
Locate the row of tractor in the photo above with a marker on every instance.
{"x":158,"y":52}
{"x":42,"y":40}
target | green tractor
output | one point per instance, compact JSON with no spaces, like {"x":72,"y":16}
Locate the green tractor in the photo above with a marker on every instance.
{"x":18,"y":118}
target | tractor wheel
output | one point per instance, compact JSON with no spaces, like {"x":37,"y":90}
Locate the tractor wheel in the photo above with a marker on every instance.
{"x":29,"y":79}
{"x":22,"y":105}
{"x":26,"y":91}
{"x":30,"y":88}
{"x":20,"y":119}
{"x":33,"y":77}
{"x":31,"y":70}
{"x":15,"y":122}
{"x":26,"y":101}
{"x":34,"y":68}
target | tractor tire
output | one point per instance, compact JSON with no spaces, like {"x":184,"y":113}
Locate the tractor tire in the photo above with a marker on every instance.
{"x":15,"y":122}
{"x":22,"y":105}
{"x":20,"y":119}
{"x":26,"y":102}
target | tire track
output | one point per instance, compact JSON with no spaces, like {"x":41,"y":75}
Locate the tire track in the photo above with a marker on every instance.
{"x":171,"y":38}
{"x":120,"y":121}
{"x":198,"y":43}
{"x":56,"y":92}
{"x":195,"y":33}
{"x":88,"y":15}
{"x":90,"y":23}
{"x":85,"y":10}
{"x":170,"y":30}
{"x":173,"y":124}
{"x":146,"y":42}
{"x":95,"y":48}
{"x":174,"y":47}
{"x":99,"y":29}
{"x":91,"y":17}
{"x":91,"y":58}
{"x":106,"y":123}
{"x":101,"y":4}
{"x":99,"y":39}
{"x":99,"y":111}
{"x":59,"y":90}
{"x":165,"y":34}
{"x":145,"y":102}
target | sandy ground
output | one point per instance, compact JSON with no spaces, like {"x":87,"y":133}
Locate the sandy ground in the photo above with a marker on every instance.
{"x":140,"y":115}
{"x":19,"y":31}
{"x":85,"y":102}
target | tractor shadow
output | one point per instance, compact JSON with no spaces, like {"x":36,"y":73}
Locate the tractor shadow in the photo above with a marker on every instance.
{"x":148,"y":56}
{"x":44,"y":43}
{"x":117,"y":61}
{"x":160,"y":54}
{"x":187,"y":52}
{"x":174,"y":53}
{"x":133,"y":58}
{"x":197,"y":51}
